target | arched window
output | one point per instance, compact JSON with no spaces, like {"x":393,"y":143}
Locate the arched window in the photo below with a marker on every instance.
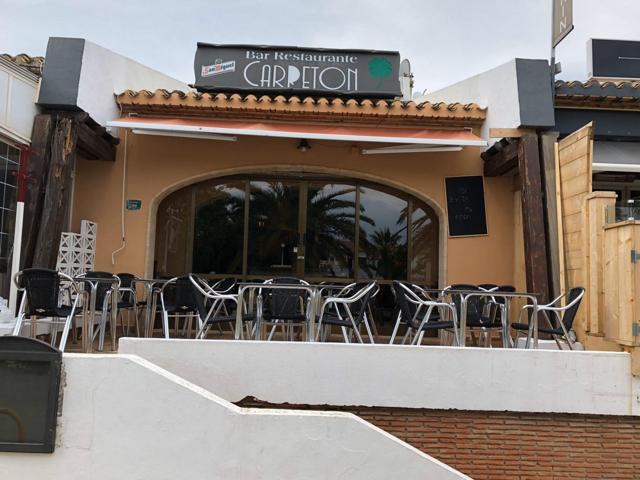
{"x":316,"y":228}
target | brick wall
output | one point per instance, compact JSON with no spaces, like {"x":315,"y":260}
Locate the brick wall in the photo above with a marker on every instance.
{"x":507,"y":445}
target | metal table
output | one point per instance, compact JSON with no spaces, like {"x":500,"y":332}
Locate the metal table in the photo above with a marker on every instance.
{"x":150,"y":296}
{"x":508,"y":296}
{"x":89,"y":313}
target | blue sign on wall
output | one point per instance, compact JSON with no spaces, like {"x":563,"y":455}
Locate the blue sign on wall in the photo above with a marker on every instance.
{"x":134,"y":204}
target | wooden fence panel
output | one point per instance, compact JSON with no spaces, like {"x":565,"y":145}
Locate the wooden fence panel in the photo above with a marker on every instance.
{"x":575,"y":155}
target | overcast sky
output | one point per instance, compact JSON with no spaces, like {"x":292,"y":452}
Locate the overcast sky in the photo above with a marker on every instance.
{"x":445,"y":40}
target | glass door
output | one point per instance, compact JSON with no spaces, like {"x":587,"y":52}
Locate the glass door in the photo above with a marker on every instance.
{"x":274,"y":240}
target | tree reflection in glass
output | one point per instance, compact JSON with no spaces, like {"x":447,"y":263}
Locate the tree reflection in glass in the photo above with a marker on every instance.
{"x":383,"y":247}
{"x":273,"y":227}
{"x":218,"y":228}
{"x":424,"y":237}
{"x":331,"y":226}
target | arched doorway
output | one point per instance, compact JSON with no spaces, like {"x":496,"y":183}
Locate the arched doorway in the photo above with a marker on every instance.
{"x":320,"y":228}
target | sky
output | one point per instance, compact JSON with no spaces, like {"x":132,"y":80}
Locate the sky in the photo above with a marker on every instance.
{"x":445,"y":40}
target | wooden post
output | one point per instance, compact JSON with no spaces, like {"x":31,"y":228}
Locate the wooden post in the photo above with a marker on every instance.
{"x":55,"y":207}
{"x":36,"y":179}
{"x":548,"y":150}
{"x":596,"y":205}
{"x":533,"y":217}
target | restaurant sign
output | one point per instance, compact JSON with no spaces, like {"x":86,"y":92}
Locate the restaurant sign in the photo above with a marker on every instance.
{"x":294,"y":70}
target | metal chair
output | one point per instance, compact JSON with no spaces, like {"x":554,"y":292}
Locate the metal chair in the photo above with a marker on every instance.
{"x":217,"y":312}
{"x":286,"y":307}
{"x":127,"y":301}
{"x":177,"y":300}
{"x":477,"y":315}
{"x":492,"y":314}
{"x":400,"y":316}
{"x":422,"y":314}
{"x":355,"y":312}
{"x":104,"y":291}
{"x":41,"y":289}
{"x":560,"y":321}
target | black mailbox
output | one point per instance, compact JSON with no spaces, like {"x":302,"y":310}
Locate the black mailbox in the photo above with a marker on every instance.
{"x":29,"y":386}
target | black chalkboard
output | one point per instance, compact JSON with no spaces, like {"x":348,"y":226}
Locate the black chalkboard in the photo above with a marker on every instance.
{"x":465,"y":206}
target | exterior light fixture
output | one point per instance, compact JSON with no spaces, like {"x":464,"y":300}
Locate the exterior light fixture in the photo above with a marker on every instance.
{"x":304,"y":146}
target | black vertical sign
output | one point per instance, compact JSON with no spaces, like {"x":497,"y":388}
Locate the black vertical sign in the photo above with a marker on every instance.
{"x":465,"y":206}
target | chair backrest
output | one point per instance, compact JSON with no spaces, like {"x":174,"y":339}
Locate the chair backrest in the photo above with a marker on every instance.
{"x":126,"y":281}
{"x":102,"y":289}
{"x":226,"y":285}
{"x":286,"y":301}
{"x":42,"y":288}
{"x":197,"y":286}
{"x":359,"y":307}
{"x":183,"y":296}
{"x":407,"y":309}
{"x":570,"y":313}
{"x":503,"y":288}
{"x":474,"y":304}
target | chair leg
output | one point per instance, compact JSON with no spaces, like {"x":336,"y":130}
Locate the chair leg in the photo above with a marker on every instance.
{"x":344,"y":334}
{"x":395,"y":328}
{"x":65,"y":332}
{"x":103,"y":329}
{"x":137,"y":319}
{"x":17,"y":329}
{"x":406,"y":336}
{"x":368,"y":328}
{"x":165,"y":324}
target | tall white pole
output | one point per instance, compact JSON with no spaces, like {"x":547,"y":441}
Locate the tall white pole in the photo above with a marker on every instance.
{"x":15,"y":258}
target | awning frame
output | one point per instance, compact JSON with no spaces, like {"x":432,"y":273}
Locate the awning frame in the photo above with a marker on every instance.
{"x":195,"y":130}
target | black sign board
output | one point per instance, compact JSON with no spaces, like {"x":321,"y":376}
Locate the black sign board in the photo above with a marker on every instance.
{"x":295,"y":70}
{"x":465,"y":206}
{"x":614,"y":58}
{"x":29,"y":386}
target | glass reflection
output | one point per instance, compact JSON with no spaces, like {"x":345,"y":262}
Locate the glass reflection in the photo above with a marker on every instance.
{"x":331,"y":226}
{"x":174,"y":214}
{"x":424,"y":248}
{"x":273,"y":228}
{"x":204,"y":228}
{"x":383,"y":237}
{"x":218,"y":228}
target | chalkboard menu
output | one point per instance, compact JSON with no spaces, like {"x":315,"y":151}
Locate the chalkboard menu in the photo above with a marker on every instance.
{"x":465,"y":206}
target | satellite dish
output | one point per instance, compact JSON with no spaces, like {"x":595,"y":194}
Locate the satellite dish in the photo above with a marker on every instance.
{"x":406,"y":79}
{"x":405,"y":68}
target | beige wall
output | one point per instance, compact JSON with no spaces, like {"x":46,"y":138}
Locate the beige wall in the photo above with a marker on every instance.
{"x":156,"y":166}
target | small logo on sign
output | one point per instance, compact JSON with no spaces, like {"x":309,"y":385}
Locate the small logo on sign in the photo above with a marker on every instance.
{"x":218,"y":68}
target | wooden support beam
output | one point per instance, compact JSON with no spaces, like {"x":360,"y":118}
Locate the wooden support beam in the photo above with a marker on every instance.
{"x":55,"y":208}
{"x":35,"y":183}
{"x":535,"y":242}
{"x":501,"y":159}
{"x":509,"y":132}
{"x":94,"y":143}
{"x":548,"y":151}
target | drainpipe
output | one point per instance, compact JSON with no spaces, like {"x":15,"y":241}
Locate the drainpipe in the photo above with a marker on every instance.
{"x":17,"y":233}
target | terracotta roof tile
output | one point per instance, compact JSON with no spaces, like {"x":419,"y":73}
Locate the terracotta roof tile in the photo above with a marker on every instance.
{"x":276,"y":107}
{"x":33,"y":64}
{"x":623,"y":94}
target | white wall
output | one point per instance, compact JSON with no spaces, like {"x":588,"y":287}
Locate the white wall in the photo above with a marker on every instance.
{"x":401,"y":376}
{"x":124,"y":418}
{"x":105,"y":73}
{"x":496,"y":89}
{"x":18,"y":90}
